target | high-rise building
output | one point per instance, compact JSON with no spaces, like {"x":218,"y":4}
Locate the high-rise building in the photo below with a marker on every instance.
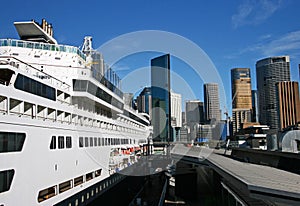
{"x":268,"y":72}
{"x":144,"y":101}
{"x":128,"y":99}
{"x":212,"y":102}
{"x":287,"y":95}
{"x":160,"y":88}
{"x":176,"y":110}
{"x":194,"y":111}
{"x":176,"y":118}
{"x":240,"y":116}
{"x":241,"y":97}
{"x":241,"y":88}
{"x":255,"y":110}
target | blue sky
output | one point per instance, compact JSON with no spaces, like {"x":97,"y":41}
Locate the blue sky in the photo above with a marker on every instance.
{"x":232,"y":33}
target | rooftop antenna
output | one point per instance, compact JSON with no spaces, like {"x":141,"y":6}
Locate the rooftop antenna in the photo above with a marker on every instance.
{"x":87,"y":45}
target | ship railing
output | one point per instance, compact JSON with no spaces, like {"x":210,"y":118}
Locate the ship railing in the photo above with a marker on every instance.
{"x":42,"y":46}
{"x":19,"y":64}
{"x":92,"y":73}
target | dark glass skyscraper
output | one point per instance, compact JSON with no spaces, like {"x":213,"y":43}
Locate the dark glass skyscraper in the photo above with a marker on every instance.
{"x":160,"y":88}
{"x":269,"y":71}
{"x":144,"y":101}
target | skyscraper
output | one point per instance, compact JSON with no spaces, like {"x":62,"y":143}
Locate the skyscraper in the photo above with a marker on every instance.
{"x":176,"y":110}
{"x":194,"y":111}
{"x":241,"y":88}
{"x":160,"y":88}
{"x":287,"y":95}
{"x":212,"y":102}
{"x":268,"y":72}
{"x":241,"y":97}
{"x":254,"y":107}
{"x":144,"y":101}
{"x":128,"y":99}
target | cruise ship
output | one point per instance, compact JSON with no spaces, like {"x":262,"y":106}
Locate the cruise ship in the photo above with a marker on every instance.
{"x":66,"y":133}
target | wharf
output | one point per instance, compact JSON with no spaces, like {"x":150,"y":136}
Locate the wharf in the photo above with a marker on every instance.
{"x":252,"y":180}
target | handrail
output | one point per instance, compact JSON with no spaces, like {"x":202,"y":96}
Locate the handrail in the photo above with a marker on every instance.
{"x":163,"y":194}
{"x":52,"y":77}
{"x":43,"y":46}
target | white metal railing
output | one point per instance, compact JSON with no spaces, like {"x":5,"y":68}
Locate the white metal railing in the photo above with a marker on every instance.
{"x":43,"y":46}
{"x":17,"y":63}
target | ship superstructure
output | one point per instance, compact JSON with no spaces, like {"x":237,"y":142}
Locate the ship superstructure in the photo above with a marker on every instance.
{"x":64,"y":128}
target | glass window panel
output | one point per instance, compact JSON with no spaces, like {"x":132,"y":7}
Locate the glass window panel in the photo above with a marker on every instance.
{"x":6,"y":178}
{"x":95,"y":142}
{"x":53,"y":143}
{"x":86,"y":142}
{"x":80,"y":141}
{"x":91,"y":141}
{"x":61,"y":142}
{"x":11,"y":142}
{"x":68,"y":142}
{"x":13,"y":43}
{"x":20,"y":44}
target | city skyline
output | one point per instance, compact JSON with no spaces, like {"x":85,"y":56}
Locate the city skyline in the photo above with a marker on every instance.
{"x":249,"y":32}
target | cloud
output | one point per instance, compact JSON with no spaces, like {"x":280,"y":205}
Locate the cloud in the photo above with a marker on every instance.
{"x":120,"y":67}
{"x":286,"y":44}
{"x":254,"y":12}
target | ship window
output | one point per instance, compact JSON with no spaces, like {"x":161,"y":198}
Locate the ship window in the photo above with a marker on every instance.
{"x":6,"y":178}
{"x":68,"y":142}
{"x":91,"y":141}
{"x":61,"y":142}
{"x":5,"y":76}
{"x":53,"y":143}
{"x":80,"y":141}
{"x":95,"y":141}
{"x":99,"y":141}
{"x":64,"y":186}
{"x":78,"y":181}
{"x":11,"y":141}
{"x":79,"y":85}
{"x":98,"y":173}
{"x":298,"y":145}
{"x":86,"y":142}
{"x":34,"y":87}
{"x":89,"y":176}
{"x":46,"y":193}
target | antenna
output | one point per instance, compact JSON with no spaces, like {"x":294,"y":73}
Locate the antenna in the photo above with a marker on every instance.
{"x":87,"y":45}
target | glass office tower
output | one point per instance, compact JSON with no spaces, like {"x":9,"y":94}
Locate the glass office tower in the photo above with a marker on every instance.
{"x":160,"y":88}
{"x":269,"y":71}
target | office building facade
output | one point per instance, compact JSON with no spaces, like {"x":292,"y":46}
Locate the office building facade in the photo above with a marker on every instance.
{"x":241,"y":97}
{"x":211,"y":102}
{"x":240,"y":116}
{"x":176,"y":110}
{"x":241,"y":88}
{"x":287,"y":95}
{"x":255,"y":116}
{"x":144,"y":101}
{"x":269,"y":71}
{"x":176,"y":115}
{"x":160,"y":88}
{"x":194,"y":111}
